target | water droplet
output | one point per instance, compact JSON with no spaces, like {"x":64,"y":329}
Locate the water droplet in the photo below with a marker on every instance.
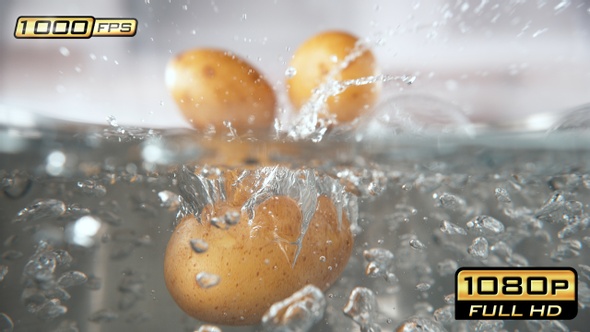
{"x":41,"y":210}
{"x":6,"y":324}
{"x":64,"y":51}
{"x":299,"y":312}
{"x":290,"y":72}
{"x":479,"y":248}
{"x":112,"y":121}
{"x":103,"y":316}
{"x":199,"y":245}
{"x":362,"y":308}
{"x":207,"y":280}
{"x":416,"y":244}
{"x":562,"y":6}
{"x":72,"y":278}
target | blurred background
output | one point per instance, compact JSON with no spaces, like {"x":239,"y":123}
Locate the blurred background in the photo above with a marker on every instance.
{"x":494,"y":60}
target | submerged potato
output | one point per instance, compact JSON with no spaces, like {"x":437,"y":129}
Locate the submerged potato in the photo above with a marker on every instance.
{"x":314,"y":60}
{"x":254,"y":263}
{"x":212,"y":86}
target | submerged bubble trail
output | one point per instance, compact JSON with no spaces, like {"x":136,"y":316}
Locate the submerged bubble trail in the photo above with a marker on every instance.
{"x":299,"y":312}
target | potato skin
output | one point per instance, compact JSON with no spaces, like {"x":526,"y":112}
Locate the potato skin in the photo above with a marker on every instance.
{"x":313,"y":60}
{"x":254,"y":261}
{"x":211,"y":86}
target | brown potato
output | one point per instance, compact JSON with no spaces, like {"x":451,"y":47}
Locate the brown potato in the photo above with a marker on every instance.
{"x":255,"y":262}
{"x":212,"y":86}
{"x":312,"y":62}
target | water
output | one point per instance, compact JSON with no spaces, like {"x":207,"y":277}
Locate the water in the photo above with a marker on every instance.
{"x":83,"y":235}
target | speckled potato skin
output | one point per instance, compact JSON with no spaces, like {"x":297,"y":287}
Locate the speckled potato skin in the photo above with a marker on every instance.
{"x":254,"y":261}
{"x":212,"y":86}
{"x":313,"y":61}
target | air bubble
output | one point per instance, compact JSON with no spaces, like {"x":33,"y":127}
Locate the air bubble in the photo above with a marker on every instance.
{"x":66,"y":326}
{"x":290,"y":72}
{"x":502,"y":195}
{"x":299,"y":312}
{"x":6,"y":324}
{"x":420,"y":324}
{"x":479,"y":248}
{"x":41,"y":210}
{"x":103,"y":316}
{"x":208,"y":328}
{"x":451,"y":202}
{"x":485,"y":225}
{"x":447,"y":267}
{"x":416,"y":244}
{"x":51,"y":310}
{"x":362,"y":308}
{"x":207,"y":280}
{"x":3,"y":272}
{"x":423,"y":286}
{"x":71,"y":279}
{"x":380,"y":263}
{"x":445,"y":314}
{"x":199,"y":245}
{"x":452,"y":229}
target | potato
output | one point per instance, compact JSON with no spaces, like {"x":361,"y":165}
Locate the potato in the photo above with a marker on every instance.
{"x":212,"y":86}
{"x":312,"y":62}
{"x":255,"y":262}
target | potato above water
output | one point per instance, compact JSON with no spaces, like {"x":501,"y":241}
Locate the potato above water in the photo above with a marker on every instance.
{"x":214,"y":86}
{"x":314,"y":62}
{"x":248,"y":267}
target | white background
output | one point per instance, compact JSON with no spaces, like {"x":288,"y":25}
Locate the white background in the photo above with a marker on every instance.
{"x":496,"y":60}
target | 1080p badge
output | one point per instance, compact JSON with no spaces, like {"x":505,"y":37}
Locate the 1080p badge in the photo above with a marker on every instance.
{"x":516,"y":293}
